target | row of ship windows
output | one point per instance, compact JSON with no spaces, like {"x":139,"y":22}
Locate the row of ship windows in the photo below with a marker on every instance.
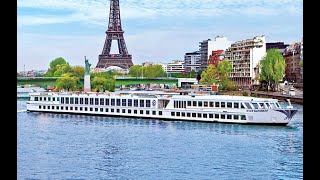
{"x":246,"y":105}
{"x":204,"y":115}
{"x":100,"y":109}
{"x":99,"y":101}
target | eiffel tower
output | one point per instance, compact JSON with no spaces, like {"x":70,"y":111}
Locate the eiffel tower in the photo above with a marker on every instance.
{"x":115,"y":32}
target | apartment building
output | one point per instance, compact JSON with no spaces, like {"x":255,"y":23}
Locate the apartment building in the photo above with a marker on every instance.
{"x":192,"y":61}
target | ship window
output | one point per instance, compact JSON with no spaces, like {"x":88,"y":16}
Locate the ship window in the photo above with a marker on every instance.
{"x":272,"y":105}
{"x":243,"y":117}
{"x":71,"y":108}
{"x":205,"y":115}
{"x":236,"y":117}
{"x":160,"y":113}
{"x":52,"y":107}
{"x":67,"y":100}
{"x":96,"y":101}
{"x":189,"y":103}
{"x":147,"y":112}
{"x":229,"y":104}
{"x":141,"y":111}
{"x":80,"y":108}
{"x":44,"y":98}
{"x":199,"y":115}
{"x":184,"y":104}
{"x":76,"y":100}
{"x":248,"y":105}
{"x":124,"y":102}
{"x":112,"y":110}
{"x":91,"y":101}
{"x":129,"y":102}
{"x":57,"y":107}
{"x":107,"y":110}
{"x":188,"y":114}
{"x":107,"y":102}
{"x":129,"y":111}
{"x":153,"y":112}
{"x":40,"y":98}
{"x":229,"y":117}
{"x":96,"y":109}
{"x":102,"y":101}
{"x":147,"y":103}
{"x":118,"y":110}
{"x":210,"y":115}
{"x":223,"y":116}
{"x":183,"y":114}
{"x":48,"y":107}
{"x":194,"y":115}
{"x":118,"y":102}
{"x":178,"y":113}
{"x":194,"y":103}
{"x":141,"y":103}
{"x":135,"y":111}
{"x":172,"y":113}
{"x":236,"y":105}
{"x":39,"y":107}
{"x":211,"y":104}
{"x":61,"y":107}
{"x":268,"y":105}
{"x":53,"y":99}
{"x":91,"y":109}
{"x":180,"y":104}
{"x":255,"y":105}
{"x":205,"y":104}
{"x":76,"y":108}
{"x":217,"y":104}
{"x":81,"y":100}
{"x":112,"y":102}
{"x":278,"y":105}
{"x":62,"y":100}
{"x":200,"y":103}
{"x":86,"y":100}
{"x":223,"y":104}
{"x":66,"y":107}
{"x":216,"y":116}
{"x":85,"y":109}
{"x":135,"y":102}
{"x":123,"y":111}
{"x":58,"y":99}
{"x":175,"y":104}
{"x":36,"y":98}
{"x":242,"y":106}
{"x":49,"y":99}
{"x":44,"y":107}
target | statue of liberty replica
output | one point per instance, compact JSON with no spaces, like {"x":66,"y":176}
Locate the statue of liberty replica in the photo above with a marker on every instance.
{"x":87,"y":84}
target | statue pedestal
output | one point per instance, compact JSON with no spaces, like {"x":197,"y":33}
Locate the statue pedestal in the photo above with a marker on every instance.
{"x":87,"y":84}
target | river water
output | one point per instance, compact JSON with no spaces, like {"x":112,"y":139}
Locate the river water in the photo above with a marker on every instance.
{"x":61,"y":146}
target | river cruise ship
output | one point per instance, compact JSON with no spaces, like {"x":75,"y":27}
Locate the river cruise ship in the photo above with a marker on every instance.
{"x":166,"y":106}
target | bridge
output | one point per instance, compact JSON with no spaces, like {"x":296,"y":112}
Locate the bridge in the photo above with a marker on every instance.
{"x":120,"y":80}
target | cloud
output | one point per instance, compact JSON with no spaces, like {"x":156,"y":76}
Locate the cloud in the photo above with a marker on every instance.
{"x":96,"y":11}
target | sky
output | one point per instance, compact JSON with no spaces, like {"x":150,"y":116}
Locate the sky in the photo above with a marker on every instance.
{"x":154,"y":30}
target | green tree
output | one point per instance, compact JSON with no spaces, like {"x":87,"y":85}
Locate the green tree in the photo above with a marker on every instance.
{"x":62,"y":69}
{"x":301,"y":63}
{"x":135,"y":71}
{"x":67,"y":82}
{"x":209,"y":76}
{"x":272,"y":68}
{"x":78,"y":71}
{"x":192,"y":73}
{"x":100,"y":83}
{"x":53,"y":66}
{"x":152,"y":71}
{"x":224,"y":69}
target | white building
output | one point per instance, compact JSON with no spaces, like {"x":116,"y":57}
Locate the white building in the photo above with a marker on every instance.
{"x":245,"y":56}
{"x":192,"y":61}
{"x":207,"y":46}
{"x":176,"y":66}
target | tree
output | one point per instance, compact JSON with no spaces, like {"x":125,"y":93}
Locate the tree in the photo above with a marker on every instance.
{"x":272,"y":68}
{"x":53,"y":66}
{"x":78,"y":71}
{"x":67,"y":82}
{"x":224,"y":69}
{"x":135,"y":71}
{"x":62,"y":69}
{"x":101,"y":83}
{"x":301,"y":63}
{"x":192,"y":73}
{"x":152,"y":71}
{"x":209,"y":76}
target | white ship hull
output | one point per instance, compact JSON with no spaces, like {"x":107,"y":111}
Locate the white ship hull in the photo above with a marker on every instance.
{"x":204,"y":108}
